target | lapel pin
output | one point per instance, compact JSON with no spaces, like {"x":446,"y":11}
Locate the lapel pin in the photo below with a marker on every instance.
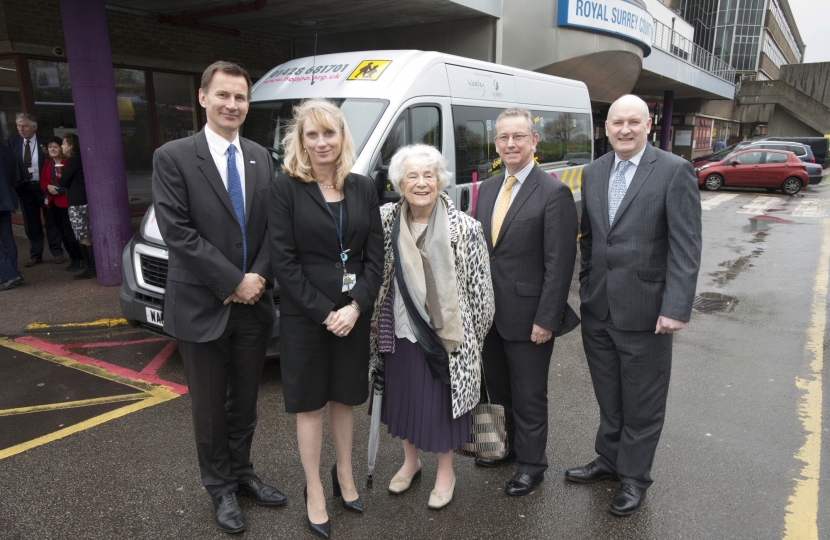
{"x":254,"y":162}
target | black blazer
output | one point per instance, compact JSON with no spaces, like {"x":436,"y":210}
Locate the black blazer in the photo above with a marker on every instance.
{"x":72,"y":181}
{"x":533,"y":262}
{"x":305,"y":252}
{"x":199,"y":226}
{"x":16,"y":144}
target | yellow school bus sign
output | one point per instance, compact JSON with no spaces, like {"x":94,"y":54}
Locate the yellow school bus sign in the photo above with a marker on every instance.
{"x":369,"y":70}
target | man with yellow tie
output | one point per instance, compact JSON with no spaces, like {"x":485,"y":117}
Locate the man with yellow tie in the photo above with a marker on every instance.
{"x":530,"y":223}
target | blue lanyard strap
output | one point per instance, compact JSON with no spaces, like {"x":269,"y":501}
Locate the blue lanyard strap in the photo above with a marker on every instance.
{"x":343,"y":256}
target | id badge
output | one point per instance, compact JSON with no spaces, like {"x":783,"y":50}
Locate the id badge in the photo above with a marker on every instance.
{"x":348,"y":282}
{"x":33,"y":170}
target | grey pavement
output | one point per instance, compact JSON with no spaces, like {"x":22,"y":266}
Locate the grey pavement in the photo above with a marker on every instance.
{"x":726,"y":466}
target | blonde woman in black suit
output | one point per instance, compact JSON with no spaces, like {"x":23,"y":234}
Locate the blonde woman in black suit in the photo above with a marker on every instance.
{"x":326,"y":247}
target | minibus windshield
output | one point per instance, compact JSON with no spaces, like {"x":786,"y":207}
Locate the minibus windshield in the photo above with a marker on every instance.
{"x":268,"y":121}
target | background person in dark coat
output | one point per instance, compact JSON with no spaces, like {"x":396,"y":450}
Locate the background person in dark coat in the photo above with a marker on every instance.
{"x":210,"y":193}
{"x":530,"y":224}
{"x":640,"y":247}
{"x":9,"y":181}
{"x":72,"y":183}
{"x":29,"y":150}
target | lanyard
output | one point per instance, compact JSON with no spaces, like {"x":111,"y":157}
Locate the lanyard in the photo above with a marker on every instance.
{"x":343,"y":256}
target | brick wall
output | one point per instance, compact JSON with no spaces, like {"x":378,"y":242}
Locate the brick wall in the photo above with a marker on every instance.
{"x":34,"y":27}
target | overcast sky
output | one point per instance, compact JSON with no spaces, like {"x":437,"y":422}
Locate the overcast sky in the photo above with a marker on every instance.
{"x":812,"y":18}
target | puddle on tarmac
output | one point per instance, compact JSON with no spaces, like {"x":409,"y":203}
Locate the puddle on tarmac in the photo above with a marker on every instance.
{"x":734,"y":268}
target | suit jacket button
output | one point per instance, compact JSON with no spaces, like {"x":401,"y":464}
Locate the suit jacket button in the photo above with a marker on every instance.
{"x":239,"y":244}
{"x":337,"y":265}
{"x":609,"y":244}
{"x":492,"y":257}
{"x":609,"y":268}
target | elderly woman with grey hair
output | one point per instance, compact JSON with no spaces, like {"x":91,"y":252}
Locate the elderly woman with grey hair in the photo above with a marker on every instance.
{"x":431,"y":315}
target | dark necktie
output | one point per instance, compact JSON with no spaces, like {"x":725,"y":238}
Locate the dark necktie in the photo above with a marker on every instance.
{"x":27,"y":154}
{"x":238,"y":201}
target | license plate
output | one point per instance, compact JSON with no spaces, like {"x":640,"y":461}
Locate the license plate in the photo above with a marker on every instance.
{"x":154,"y":317}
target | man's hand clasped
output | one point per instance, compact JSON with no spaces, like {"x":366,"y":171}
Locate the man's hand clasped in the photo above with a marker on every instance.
{"x":248,"y":291}
{"x":539,"y":335}
{"x":666,"y":325}
{"x":341,"y":322}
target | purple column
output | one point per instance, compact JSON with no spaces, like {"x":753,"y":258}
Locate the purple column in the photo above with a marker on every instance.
{"x":665,"y":134}
{"x":96,"y":110}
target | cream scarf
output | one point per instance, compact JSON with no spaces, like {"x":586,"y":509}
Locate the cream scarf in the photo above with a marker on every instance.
{"x":424,"y":258}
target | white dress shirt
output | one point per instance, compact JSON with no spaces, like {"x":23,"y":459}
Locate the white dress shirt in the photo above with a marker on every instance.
{"x":629,"y":172}
{"x":521,"y":176}
{"x":219,"y":150}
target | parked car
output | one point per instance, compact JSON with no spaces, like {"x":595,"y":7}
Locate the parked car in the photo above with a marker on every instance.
{"x":753,"y":167}
{"x":802,"y":151}
{"x":815,"y":172}
{"x":819,"y":145}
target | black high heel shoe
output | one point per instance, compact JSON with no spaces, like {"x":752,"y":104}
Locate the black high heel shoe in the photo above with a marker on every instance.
{"x":322,"y":530}
{"x":356,"y":505}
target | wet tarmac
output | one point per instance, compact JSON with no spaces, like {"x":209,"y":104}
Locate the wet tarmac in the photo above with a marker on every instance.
{"x":728,"y":466}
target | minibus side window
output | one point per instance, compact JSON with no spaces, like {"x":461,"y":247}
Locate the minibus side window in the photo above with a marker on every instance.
{"x":416,"y":125}
{"x":475,"y":151}
{"x":562,"y":135}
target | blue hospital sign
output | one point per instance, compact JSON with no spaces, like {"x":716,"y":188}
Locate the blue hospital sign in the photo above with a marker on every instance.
{"x":616,"y":17}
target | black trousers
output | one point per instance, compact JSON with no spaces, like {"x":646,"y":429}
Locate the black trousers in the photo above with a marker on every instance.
{"x":223,"y":377}
{"x":630,"y":372}
{"x":516,"y":373}
{"x":60,"y":217}
{"x":31,"y":206}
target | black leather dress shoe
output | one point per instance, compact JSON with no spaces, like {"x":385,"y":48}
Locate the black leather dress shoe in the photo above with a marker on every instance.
{"x":492,"y":463}
{"x":261,"y":493}
{"x":588,"y":474}
{"x":627,"y":500}
{"x":522,"y":484}
{"x":227,"y":514}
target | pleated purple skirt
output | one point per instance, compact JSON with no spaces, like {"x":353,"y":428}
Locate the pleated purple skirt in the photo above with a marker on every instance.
{"x":417,"y":407}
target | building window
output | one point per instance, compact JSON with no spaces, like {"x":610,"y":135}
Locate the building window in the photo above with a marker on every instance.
{"x":52,"y":94}
{"x":10,"y":102}
{"x":773,"y":52}
{"x":136,"y":134}
{"x":702,"y":137}
{"x":176,"y":113}
{"x":779,"y":17}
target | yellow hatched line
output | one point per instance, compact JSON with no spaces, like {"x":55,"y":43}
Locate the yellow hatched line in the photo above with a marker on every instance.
{"x":100,"y":323}
{"x":72,"y":404}
{"x":801,"y":518}
{"x":142,"y":386}
{"x":579,"y":179}
{"x":150,"y":395}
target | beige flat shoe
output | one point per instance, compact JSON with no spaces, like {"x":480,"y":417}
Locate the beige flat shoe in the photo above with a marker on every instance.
{"x":440,"y":499}
{"x":400,"y":484}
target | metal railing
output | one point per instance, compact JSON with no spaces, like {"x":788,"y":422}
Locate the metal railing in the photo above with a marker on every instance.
{"x":673,"y":43}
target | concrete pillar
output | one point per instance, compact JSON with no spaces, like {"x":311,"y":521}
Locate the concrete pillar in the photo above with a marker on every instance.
{"x":665,"y":133}
{"x":96,"y":110}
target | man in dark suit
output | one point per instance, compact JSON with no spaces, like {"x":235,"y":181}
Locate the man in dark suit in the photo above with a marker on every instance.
{"x":29,"y":149}
{"x":210,"y":193}
{"x":640,"y":246}
{"x":9,"y":181}
{"x":529,"y":221}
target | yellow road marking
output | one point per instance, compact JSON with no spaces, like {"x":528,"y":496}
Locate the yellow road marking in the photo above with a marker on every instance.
{"x":151,"y":394}
{"x":801,"y":518}
{"x":100,"y":323}
{"x":72,"y":404}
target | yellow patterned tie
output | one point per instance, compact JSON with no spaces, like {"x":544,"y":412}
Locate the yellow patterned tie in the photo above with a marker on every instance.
{"x":502,"y":206}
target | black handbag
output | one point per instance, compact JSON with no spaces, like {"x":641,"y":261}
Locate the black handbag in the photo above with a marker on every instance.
{"x":488,"y":434}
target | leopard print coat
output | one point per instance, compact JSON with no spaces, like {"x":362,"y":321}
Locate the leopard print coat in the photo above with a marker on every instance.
{"x":475,"y":296}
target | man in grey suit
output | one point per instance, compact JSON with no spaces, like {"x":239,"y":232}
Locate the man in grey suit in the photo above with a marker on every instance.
{"x":529,"y":221}
{"x":640,"y":246}
{"x":210,"y":193}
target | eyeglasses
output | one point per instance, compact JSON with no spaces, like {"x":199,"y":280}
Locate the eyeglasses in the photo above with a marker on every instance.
{"x":518,"y":138}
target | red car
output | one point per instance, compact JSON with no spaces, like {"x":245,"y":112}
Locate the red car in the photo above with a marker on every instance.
{"x":770,"y":169}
